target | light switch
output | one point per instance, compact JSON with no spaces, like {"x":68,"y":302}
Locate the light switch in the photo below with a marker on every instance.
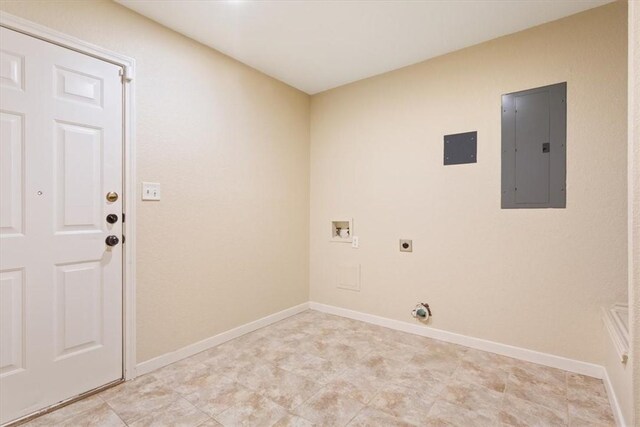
{"x":355,"y":243}
{"x":150,"y":191}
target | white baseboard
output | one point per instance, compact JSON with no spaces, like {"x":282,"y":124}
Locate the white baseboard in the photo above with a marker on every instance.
{"x":613,"y":401}
{"x":546,"y":359}
{"x":174,"y":356}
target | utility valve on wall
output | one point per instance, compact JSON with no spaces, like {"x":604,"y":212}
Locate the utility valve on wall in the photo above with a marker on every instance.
{"x":421,"y":312}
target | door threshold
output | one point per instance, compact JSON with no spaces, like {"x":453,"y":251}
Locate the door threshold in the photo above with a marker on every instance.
{"x":59,"y":405}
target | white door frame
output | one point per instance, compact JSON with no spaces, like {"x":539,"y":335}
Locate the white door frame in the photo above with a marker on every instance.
{"x":129,"y":167}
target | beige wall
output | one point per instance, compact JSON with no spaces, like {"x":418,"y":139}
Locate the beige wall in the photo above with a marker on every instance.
{"x":228,"y":243}
{"x":530,"y":278}
{"x":634,"y":198}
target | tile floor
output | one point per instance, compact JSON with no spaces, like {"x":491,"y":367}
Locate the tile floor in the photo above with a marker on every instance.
{"x":318,"y":369}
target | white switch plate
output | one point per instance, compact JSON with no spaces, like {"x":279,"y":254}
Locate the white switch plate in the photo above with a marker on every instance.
{"x":355,"y":243}
{"x":150,"y":191}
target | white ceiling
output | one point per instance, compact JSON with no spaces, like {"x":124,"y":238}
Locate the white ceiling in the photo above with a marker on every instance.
{"x":316,"y":45}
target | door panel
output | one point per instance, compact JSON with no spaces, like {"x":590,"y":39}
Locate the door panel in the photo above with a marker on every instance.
{"x":11,"y":322}
{"x":11,"y":179}
{"x":78,"y":308}
{"x":11,"y":70}
{"x":76,"y":86}
{"x":61,"y":285}
{"x":78,"y":177}
{"x":532,"y":163}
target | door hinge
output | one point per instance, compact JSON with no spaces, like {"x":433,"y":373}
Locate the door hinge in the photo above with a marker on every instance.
{"x":124,"y":75}
{"x":124,"y":239}
{"x":123,"y":217}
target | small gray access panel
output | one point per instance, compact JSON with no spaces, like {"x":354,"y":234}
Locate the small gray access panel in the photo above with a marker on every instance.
{"x":534,"y":148}
{"x":460,"y":148}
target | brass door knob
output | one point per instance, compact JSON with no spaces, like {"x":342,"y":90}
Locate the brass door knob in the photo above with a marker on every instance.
{"x":112,"y":196}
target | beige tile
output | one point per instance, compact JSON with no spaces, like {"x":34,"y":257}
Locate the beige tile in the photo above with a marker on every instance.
{"x":326,"y":335}
{"x":278,"y":355}
{"x":180,"y":367}
{"x":577,"y":422}
{"x":180,"y":414}
{"x":380,"y":333}
{"x":283,"y":387}
{"x":496,"y":361}
{"x":362,"y":346}
{"x":435,"y":347}
{"x":364,"y":380}
{"x":191,"y":379}
{"x":372,"y":417}
{"x":444,"y":413}
{"x":234,"y":365}
{"x":410,"y":404}
{"x":310,"y":366}
{"x":329,"y":408}
{"x":396,"y":351}
{"x":256,"y":411}
{"x":539,"y":374}
{"x":380,"y":367}
{"x":293,"y":421}
{"x":519,"y":412}
{"x":440,"y":364}
{"x":66,"y":412}
{"x":101,"y":416}
{"x":141,"y":383}
{"x":394,"y":337}
{"x":415,"y":374}
{"x":216,"y":358}
{"x":215,"y":398}
{"x":487,"y":375}
{"x":544,"y":386}
{"x":591,"y":408}
{"x":291,"y":329}
{"x":484,"y":368}
{"x":348,"y":389}
{"x":210,"y":423}
{"x":584,"y":382}
{"x":138,"y":398}
{"x":268,"y":346}
{"x":334,"y":349}
{"x":588,"y":400}
{"x":482,"y":401}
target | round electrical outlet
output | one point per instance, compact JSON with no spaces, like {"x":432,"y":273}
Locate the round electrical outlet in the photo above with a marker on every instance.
{"x":406,"y":245}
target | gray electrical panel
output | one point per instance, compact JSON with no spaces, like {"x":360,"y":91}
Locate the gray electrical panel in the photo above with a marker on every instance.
{"x":534,"y":148}
{"x":460,"y":148}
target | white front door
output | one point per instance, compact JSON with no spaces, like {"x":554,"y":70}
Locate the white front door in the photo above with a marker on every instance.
{"x":60,"y":282}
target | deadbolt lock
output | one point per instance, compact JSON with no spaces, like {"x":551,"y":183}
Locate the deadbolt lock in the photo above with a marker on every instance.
{"x":112,"y":196}
{"x":112,"y":240}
